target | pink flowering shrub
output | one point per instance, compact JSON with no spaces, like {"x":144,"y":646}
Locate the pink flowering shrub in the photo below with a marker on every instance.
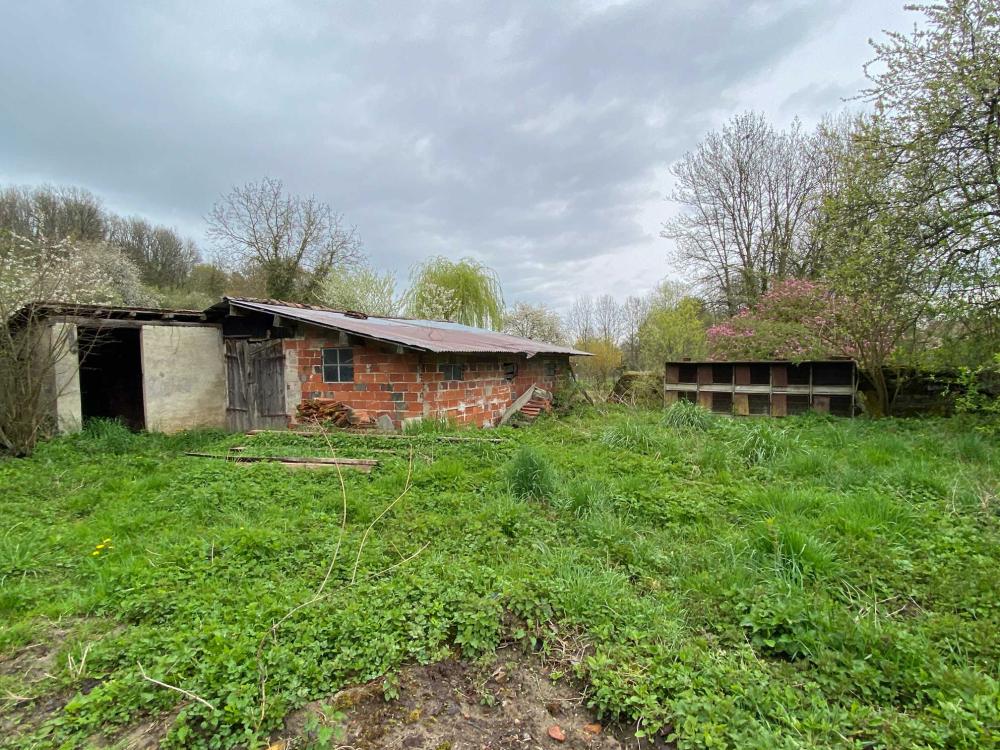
{"x":797,"y":319}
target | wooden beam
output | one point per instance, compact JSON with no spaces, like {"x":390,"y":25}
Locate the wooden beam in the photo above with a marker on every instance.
{"x":116,"y":323}
{"x":515,"y":407}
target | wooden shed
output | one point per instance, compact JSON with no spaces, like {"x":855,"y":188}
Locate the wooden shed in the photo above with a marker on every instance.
{"x":774,"y":388}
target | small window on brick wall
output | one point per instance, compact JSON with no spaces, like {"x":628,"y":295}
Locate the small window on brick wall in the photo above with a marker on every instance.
{"x":509,"y":370}
{"x":451,"y":371}
{"x":338,"y":365}
{"x":550,"y":368}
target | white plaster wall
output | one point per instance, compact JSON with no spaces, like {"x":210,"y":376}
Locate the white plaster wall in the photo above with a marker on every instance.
{"x":66,"y":377}
{"x":183,"y":377}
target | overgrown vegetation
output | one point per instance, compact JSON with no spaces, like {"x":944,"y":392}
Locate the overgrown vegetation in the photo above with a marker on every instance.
{"x":740,"y":583}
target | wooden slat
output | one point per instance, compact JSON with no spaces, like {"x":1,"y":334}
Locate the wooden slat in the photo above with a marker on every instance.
{"x":741,"y":404}
{"x":779,"y":405}
{"x":779,"y":376}
{"x":741,"y":373}
{"x":673,"y":374}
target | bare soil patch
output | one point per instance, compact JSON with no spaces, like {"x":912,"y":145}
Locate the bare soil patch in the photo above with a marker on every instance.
{"x":514,"y":703}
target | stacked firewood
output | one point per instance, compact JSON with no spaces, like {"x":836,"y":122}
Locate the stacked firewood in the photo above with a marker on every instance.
{"x":330,"y":411}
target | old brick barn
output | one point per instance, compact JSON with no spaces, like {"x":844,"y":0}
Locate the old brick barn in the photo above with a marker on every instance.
{"x":247,"y":363}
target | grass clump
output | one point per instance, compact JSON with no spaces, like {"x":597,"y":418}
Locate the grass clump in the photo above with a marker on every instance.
{"x":429,"y":426}
{"x":531,"y":475}
{"x":106,"y":436}
{"x":760,"y":442}
{"x":687,"y":415}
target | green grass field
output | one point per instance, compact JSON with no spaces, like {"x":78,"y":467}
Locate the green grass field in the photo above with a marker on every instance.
{"x":805,"y":583}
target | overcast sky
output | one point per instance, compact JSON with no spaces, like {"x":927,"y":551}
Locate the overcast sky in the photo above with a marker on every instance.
{"x":534,"y":136}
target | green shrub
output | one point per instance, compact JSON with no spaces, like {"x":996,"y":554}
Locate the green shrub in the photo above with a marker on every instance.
{"x":530,"y":474}
{"x":687,"y":415}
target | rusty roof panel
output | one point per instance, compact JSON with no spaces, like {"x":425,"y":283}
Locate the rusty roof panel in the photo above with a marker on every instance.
{"x":427,"y":335}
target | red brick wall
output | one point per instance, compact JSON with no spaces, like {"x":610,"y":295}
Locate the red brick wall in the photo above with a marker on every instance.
{"x":410,"y":385}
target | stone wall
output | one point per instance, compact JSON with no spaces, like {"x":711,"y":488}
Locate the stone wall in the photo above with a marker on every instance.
{"x":410,"y":384}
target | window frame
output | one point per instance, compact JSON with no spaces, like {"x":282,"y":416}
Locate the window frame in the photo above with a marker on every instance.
{"x":340,"y":366}
{"x":451,"y":368}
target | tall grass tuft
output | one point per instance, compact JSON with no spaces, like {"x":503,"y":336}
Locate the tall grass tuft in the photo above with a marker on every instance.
{"x":107,"y":436}
{"x":792,"y":553}
{"x":429,"y":426}
{"x":632,"y":436}
{"x":530,"y":474}
{"x":583,"y":497}
{"x":687,"y":415}
{"x":761,"y":443}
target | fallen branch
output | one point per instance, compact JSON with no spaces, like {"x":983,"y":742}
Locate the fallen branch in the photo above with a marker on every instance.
{"x":182,"y":691}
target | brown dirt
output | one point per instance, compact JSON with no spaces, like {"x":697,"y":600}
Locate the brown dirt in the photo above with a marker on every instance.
{"x":30,"y":667}
{"x":511,"y":704}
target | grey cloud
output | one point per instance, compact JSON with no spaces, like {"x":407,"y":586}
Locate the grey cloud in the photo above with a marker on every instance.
{"x":527,"y":134}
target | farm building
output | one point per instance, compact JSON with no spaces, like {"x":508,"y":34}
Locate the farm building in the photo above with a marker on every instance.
{"x":246,"y":363}
{"x":775,"y":388}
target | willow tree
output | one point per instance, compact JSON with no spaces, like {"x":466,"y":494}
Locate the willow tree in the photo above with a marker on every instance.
{"x":462,"y":291}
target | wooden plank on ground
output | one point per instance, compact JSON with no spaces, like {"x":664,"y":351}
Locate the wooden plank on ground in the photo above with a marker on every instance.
{"x":379,"y":435}
{"x":361,"y":464}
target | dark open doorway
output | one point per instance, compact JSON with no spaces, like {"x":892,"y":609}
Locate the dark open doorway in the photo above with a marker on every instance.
{"x":111,"y":375}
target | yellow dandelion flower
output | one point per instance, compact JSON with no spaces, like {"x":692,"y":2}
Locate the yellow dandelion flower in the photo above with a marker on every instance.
{"x":96,"y":552}
{"x":105,"y":540}
{"x":101,"y":546}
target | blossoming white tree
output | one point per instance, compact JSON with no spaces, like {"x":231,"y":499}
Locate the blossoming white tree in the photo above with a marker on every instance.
{"x":37,"y":358}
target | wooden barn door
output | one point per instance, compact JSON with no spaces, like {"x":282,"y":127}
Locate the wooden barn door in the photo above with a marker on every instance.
{"x":255,"y":373}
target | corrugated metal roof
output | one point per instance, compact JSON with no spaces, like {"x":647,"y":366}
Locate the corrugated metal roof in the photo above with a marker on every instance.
{"x":426,"y":335}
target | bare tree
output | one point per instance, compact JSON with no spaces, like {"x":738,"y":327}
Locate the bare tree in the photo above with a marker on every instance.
{"x":294,"y":241}
{"x":580,"y":321}
{"x":52,"y":213}
{"x":750,"y":198}
{"x":634,"y":312}
{"x":163,"y":256}
{"x":608,"y":319}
